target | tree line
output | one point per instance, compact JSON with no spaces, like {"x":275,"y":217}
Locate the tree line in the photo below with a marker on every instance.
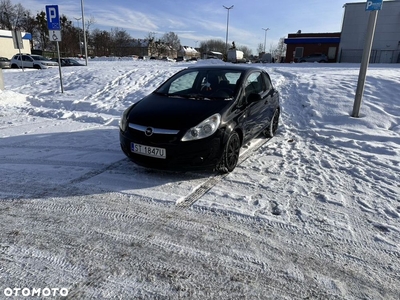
{"x":116,"y":42}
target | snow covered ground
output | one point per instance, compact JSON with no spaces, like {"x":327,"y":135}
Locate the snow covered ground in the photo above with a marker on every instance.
{"x":313,"y":213}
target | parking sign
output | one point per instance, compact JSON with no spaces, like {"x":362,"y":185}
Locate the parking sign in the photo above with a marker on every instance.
{"x":53,"y":17}
{"x":373,"y":5}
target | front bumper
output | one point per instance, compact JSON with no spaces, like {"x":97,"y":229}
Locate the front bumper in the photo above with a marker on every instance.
{"x":199,"y":154}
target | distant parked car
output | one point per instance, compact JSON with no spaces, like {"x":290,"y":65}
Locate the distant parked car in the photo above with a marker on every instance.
{"x":31,"y":61}
{"x":316,"y":57}
{"x":67,"y":62}
{"x":5,"y":63}
{"x":200,"y":118}
{"x":166,"y":58}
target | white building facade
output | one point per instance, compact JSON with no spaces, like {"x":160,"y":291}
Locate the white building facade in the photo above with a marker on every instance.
{"x":7,"y":45}
{"x":386,"y":44}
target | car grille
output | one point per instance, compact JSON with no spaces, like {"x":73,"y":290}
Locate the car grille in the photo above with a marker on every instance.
{"x":153,"y":135}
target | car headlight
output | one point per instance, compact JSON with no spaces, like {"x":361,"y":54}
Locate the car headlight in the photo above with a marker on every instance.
{"x":123,"y":123}
{"x":204,"y":129}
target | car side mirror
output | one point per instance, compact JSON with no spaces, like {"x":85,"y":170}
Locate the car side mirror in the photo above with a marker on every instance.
{"x":253,"y":97}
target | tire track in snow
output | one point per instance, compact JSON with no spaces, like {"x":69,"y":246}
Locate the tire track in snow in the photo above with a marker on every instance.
{"x":190,"y":199}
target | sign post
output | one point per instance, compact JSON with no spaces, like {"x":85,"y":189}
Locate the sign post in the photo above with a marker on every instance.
{"x":54,"y":27}
{"x":373,"y":6}
{"x":18,"y":44}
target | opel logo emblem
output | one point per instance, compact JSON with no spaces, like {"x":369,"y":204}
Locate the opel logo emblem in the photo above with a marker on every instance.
{"x":148,"y":131}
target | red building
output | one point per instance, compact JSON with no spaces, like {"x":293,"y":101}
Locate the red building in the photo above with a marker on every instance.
{"x":304,"y":44}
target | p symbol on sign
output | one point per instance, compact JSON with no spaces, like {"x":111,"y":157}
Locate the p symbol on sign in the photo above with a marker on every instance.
{"x":52,"y":14}
{"x":53,"y":17}
{"x":369,"y":4}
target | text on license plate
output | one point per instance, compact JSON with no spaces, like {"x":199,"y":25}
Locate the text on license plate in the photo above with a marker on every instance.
{"x":149,"y":151}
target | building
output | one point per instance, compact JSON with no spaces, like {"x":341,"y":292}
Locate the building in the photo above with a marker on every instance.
{"x":7,"y":44}
{"x":348,"y":45}
{"x":187,"y":52}
{"x":386,"y":44}
{"x":303,"y":44}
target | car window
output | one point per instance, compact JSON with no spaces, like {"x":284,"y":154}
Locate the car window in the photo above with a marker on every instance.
{"x":254,"y":84}
{"x":232,"y":77}
{"x":26,"y":58}
{"x":183,"y":83}
{"x":267,"y":81}
{"x":38,"y":57}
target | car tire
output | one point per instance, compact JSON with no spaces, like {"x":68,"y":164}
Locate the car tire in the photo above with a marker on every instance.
{"x":269,"y":132}
{"x":36,"y":67}
{"x":230,"y":156}
{"x":14,"y":66}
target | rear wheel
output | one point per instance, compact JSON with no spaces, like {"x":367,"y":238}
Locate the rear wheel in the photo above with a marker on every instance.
{"x":269,"y":132}
{"x":230,"y":157}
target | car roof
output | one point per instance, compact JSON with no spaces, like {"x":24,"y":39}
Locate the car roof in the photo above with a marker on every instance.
{"x":238,"y":67}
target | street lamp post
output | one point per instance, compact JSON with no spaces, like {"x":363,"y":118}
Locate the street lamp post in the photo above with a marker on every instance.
{"x":84,"y":33}
{"x":79,"y":36}
{"x":265,"y":36}
{"x":227,"y":26}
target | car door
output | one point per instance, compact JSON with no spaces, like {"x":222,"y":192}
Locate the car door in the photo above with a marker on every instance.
{"x":27,"y":61}
{"x":256,"y":110}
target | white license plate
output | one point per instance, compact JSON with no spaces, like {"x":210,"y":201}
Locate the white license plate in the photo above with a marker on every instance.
{"x":148,"y":151}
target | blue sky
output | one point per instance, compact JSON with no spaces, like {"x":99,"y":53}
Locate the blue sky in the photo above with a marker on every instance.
{"x":194,"y":20}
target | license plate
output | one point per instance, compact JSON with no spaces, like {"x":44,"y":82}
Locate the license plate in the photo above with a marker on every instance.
{"x":148,"y":151}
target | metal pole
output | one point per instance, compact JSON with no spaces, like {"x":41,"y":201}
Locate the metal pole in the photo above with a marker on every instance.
{"x":364,"y":62}
{"x":59,"y":68}
{"x":265,"y":37}
{"x":79,"y":36}
{"x":84,"y":33}
{"x":227,"y":26}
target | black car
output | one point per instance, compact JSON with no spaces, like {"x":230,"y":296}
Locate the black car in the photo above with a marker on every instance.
{"x":67,"y":62}
{"x":316,"y":57}
{"x":200,"y":118}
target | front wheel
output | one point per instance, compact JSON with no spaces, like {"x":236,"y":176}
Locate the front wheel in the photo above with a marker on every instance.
{"x":230,"y":156}
{"x":269,"y":132}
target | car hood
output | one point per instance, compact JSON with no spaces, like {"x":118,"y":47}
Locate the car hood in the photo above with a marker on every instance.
{"x":174,"y":113}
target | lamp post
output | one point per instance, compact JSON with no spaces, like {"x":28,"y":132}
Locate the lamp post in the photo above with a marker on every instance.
{"x":265,"y":36}
{"x":79,"y":36}
{"x":84,"y":33}
{"x":227,"y":26}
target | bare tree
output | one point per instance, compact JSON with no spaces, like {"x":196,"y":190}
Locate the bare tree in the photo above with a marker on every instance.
{"x":13,"y":16}
{"x":212,"y":45}
{"x":260,"y":49}
{"x":120,"y":42}
{"x":101,"y":41}
{"x":41,"y":27}
{"x":172,"y":40}
{"x":280,"y":50}
{"x":246,"y":51}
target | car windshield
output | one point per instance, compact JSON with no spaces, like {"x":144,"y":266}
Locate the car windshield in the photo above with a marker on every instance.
{"x":38,"y":57}
{"x":202,"y":84}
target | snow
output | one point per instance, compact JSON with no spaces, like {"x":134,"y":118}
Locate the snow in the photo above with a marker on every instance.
{"x":312,"y":213}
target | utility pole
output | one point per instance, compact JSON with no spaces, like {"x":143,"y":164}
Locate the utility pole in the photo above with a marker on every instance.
{"x":227,"y":26}
{"x":79,"y":36}
{"x":265,"y":36}
{"x":84,"y":33}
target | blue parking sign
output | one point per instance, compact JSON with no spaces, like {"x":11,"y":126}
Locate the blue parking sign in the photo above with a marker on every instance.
{"x":374,"y":5}
{"x":53,"y":17}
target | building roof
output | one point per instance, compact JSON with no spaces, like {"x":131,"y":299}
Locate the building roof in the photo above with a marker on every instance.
{"x":312,"y":40}
{"x":8,"y":34}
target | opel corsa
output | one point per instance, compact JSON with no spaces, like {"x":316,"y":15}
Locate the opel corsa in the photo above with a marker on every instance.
{"x":200,"y":118}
